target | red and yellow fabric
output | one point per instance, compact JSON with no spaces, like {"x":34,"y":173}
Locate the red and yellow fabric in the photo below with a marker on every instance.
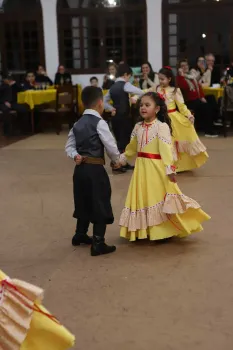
{"x":24,"y":323}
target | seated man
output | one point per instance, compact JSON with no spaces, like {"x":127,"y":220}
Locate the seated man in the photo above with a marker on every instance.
{"x":195,"y":99}
{"x":8,"y":102}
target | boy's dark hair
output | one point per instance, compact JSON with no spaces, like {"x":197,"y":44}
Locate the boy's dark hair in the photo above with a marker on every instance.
{"x":30,"y":72}
{"x":91,"y":95}
{"x":93,"y":78}
{"x":123,"y":69}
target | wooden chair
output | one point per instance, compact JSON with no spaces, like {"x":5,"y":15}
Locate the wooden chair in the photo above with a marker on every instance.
{"x":227,"y":107}
{"x":63,"y":112}
{"x":13,"y":116}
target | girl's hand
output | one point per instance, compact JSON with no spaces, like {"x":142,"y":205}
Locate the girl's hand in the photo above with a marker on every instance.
{"x":113,"y":112}
{"x":172,"y":178}
{"x":191,"y":119}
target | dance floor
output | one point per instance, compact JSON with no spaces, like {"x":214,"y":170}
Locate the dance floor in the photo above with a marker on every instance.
{"x":146,"y":296}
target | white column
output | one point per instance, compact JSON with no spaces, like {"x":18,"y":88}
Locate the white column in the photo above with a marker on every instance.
{"x":154,"y":32}
{"x":49,"y":10}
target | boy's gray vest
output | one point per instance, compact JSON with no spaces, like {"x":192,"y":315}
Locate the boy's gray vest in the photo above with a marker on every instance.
{"x":120,"y":99}
{"x":87,"y":139}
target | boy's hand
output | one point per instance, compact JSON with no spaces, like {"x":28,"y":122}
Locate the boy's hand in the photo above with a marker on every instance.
{"x":115,"y":165}
{"x":78,"y":159}
{"x":172,"y":178}
{"x":133,"y":100}
{"x":113,"y":113}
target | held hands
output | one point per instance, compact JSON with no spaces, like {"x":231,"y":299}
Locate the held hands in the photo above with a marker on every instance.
{"x":116,"y":165}
{"x":203,"y":100}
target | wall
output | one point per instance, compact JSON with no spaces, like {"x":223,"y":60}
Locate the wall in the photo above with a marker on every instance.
{"x":154,"y":30}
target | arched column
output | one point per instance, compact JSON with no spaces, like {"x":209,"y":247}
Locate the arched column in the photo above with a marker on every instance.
{"x":154,"y":32}
{"x":50,"y":35}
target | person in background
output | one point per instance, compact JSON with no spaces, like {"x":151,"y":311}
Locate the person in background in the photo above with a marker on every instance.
{"x":201,"y":72}
{"x":203,"y":76}
{"x":215,"y":71}
{"x":62,"y":76}
{"x":195,"y":99}
{"x":149,"y":77}
{"x":30,"y":81}
{"x":109,"y":78}
{"x":42,"y":77}
{"x":8,"y":102}
{"x":94,"y":81}
{"x":121,"y":120}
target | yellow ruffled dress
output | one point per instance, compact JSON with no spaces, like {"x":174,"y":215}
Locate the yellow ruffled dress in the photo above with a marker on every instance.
{"x":155,"y":208}
{"x":190,"y":153}
{"x":22,"y":328}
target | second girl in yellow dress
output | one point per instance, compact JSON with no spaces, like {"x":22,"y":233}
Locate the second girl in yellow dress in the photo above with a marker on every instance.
{"x":190,"y":153}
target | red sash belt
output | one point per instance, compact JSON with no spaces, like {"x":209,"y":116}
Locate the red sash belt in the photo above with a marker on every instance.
{"x":149,"y":155}
{"x":172,"y":110}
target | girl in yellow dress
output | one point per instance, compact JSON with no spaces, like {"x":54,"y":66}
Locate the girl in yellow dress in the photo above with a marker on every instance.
{"x":155,"y":207}
{"x":24,"y":323}
{"x":190,"y":153}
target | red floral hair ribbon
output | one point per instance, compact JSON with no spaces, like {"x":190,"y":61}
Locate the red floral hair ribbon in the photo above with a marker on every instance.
{"x":168,"y":67}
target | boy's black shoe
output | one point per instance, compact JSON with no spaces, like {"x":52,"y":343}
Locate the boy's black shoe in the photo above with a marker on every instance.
{"x":99,"y":247}
{"x":128,"y":167}
{"x":79,"y":239}
{"x":119,"y":171}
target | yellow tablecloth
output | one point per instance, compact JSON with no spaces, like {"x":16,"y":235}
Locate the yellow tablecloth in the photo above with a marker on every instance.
{"x":217,"y":92}
{"x":38,"y":97}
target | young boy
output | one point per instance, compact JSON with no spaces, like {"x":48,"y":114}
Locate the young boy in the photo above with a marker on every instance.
{"x":119,"y":94}
{"x":92,"y":189}
{"x":94,"y":81}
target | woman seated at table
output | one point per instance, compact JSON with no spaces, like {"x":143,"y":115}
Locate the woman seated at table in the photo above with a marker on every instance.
{"x":203,"y":75}
{"x":30,"y":81}
{"x":149,"y":77}
{"x":62,"y":76}
{"x":201,"y":72}
{"x":42,"y":77}
{"x":195,"y":99}
{"x":109,"y":78}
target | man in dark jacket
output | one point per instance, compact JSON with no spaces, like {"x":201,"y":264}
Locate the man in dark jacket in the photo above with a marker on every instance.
{"x":8,"y":102}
